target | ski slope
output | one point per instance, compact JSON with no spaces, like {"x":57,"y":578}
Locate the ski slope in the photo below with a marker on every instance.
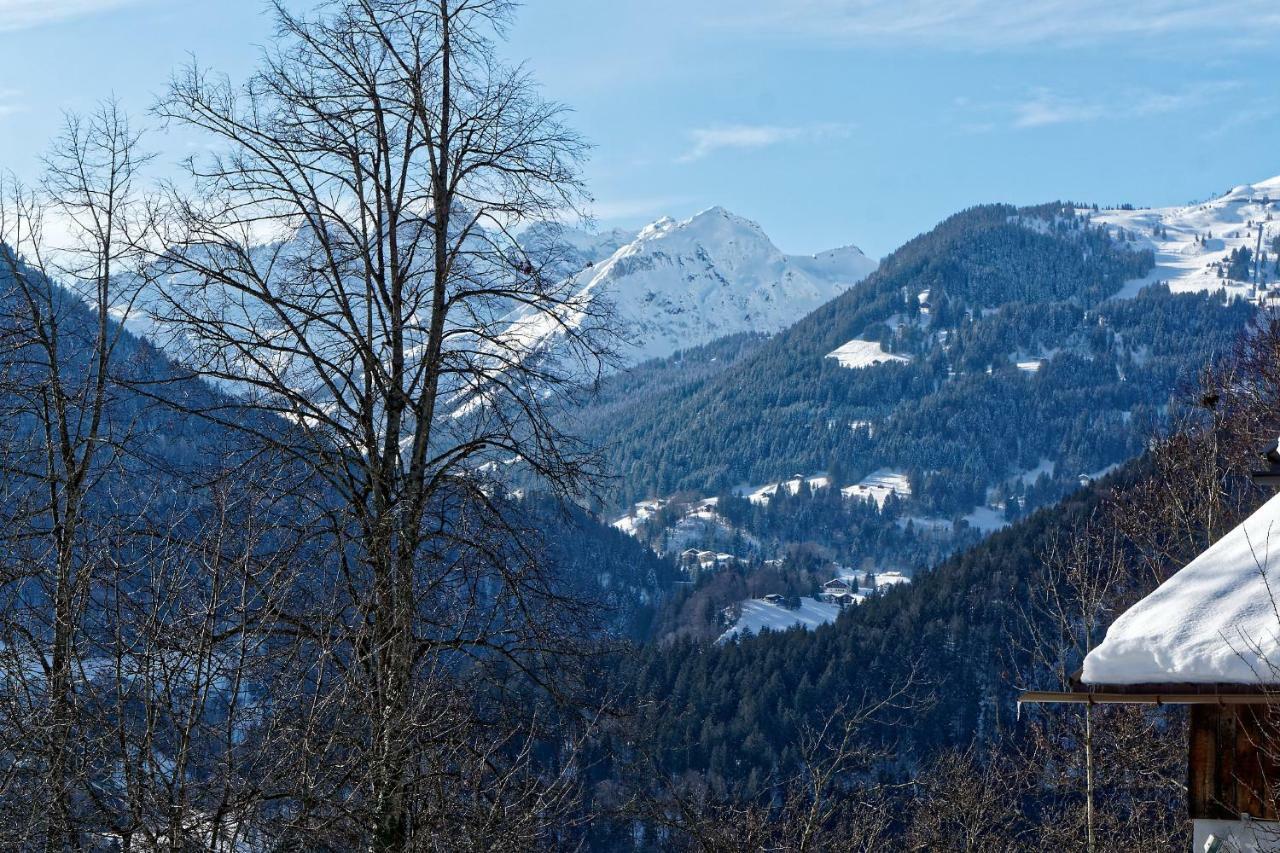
{"x":1192,"y":242}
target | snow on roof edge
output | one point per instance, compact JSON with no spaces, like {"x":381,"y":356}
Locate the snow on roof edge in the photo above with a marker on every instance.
{"x":1216,"y":621}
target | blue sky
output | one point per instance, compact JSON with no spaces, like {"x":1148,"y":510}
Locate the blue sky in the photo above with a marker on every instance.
{"x":828,"y":121}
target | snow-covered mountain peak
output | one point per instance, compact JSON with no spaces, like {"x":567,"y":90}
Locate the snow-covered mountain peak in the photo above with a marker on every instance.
{"x":680,"y":284}
{"x":713,"y":228}
{"x":1248,"y":191}
{"x":656,"y":228}
{"x":718,"y":217}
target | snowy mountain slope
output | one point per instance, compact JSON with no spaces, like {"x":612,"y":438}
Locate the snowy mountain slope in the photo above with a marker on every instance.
{"x":568,"y":251}
{"x":681,"y":284}
{"x":1193,"y":243}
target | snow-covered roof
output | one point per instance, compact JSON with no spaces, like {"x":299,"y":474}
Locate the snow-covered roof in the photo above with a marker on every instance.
{"x":1217,"y":621}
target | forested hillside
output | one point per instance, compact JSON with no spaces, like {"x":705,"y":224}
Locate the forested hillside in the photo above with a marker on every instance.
{"x":940,"y":662}
{"x":736,"y":711}
{"x":168,"y":434}
{"x":999,"y":286}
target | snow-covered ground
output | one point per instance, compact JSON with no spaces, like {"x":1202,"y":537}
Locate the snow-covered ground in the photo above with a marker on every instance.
{"x":987,"y":519}
{"x":758,"y":614}
{"x":1192,"y":241}
{"x":701,"y":525}
{"x":762,"y":494}
{"x":1090,"y":476}
{"x":858,"y":353}
{"x":1028,"y":477}
{"x":888,"y":579}
{"x":639,"y":514}
{"x":878,"y":485}
{"x":676,"y":285}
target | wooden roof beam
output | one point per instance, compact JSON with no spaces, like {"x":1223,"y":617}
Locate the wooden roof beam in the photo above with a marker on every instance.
{"x":1103,"y":697}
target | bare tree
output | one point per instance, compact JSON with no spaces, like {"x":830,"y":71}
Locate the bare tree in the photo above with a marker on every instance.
{"x":1072,"y":600}
{"x":62,"y":436}
{"x":130,"y":584}
{"x":183,"y":671}
{"x":833,"y":801}
{"x":965,"y":801}
{"x":348,"y":269}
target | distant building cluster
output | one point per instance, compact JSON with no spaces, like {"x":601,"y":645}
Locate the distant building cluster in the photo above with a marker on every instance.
{"x":694,"y":560}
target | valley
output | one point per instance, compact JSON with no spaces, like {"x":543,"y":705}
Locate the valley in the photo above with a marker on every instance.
{"x":830,"y":428}
{"x":938,"y":401}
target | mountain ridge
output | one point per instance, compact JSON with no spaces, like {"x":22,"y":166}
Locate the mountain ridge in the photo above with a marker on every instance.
{"x":678,"y":284}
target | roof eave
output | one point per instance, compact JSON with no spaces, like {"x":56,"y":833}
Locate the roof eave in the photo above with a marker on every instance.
{"x":1157,"y":694}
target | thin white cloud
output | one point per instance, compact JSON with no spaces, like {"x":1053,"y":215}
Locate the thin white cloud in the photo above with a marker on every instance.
{"x":10,"y":102}
{"x":1232,"y":123}
{"x":996,"y":24}
{"x":709,"y":140}
{"x":25,"y":14}
{"x":1045,"y":107}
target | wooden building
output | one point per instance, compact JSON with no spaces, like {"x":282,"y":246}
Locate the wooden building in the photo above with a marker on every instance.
{"x":1209,"y":638}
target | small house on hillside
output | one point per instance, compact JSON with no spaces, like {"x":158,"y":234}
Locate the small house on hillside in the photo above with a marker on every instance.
{"x":842,"y":591}
{"x":1209,"y":637}
{"x":837,"y":585}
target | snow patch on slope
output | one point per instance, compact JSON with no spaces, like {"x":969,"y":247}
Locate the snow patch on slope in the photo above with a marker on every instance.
{"x":878,"y":485}
{"x":858,"y":353}
{"x":762,"y":495}
{"x":758,"y":615}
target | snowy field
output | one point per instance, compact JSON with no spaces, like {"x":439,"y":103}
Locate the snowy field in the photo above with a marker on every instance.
{"x":640,"y":513}
{"x":888,"y":579}
{"x":758,"y":615}
{"x":878,"y":485}
{"x":987,"y":519}
{"x":984,"y":518}
{"x":702,"y":525}
{"x":1028,"y":477}
{"x":1193,"y":239}
{"x":859,"y":353}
